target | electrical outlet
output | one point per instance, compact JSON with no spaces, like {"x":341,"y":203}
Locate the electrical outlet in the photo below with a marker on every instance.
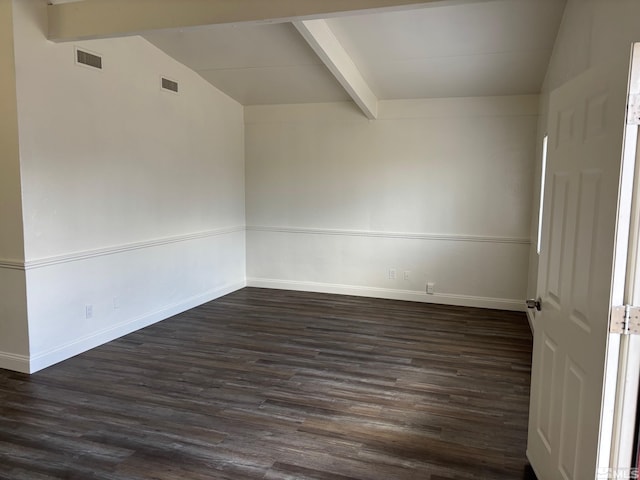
{"x":88,"y":311}
{"x":431,"y":287}
{"x":407,"y":274}
{"x":392,"y":274}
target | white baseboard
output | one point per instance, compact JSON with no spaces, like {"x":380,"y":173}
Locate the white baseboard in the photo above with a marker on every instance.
{"x":42,"y":360}
{"x":36,"y":362}
{"x":391,"y":294}
{"x":17,"y":363}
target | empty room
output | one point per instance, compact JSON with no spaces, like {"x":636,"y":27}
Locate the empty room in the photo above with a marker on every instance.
{"x":319,"y":239}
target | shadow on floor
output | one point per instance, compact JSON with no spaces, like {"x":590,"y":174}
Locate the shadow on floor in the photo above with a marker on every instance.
{"x":529,"y":474}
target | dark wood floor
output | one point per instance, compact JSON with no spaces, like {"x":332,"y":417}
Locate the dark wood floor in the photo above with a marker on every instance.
{"x":266,"y":384}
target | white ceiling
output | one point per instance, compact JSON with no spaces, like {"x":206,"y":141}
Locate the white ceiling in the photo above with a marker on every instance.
{"x":254,"y":64}
{"x":498,"y":47}
{"x":492,"y":48}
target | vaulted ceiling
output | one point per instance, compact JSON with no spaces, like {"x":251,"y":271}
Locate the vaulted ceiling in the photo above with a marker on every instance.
{"x":416,"y":50}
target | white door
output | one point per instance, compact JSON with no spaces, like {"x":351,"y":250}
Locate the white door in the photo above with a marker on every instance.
{"x":585,"y":128}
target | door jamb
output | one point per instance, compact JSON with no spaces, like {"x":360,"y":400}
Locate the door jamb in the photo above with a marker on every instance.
{"x":626,"y":290}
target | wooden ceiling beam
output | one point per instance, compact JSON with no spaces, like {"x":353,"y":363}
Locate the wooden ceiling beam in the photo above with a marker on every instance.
{"x":115,"y":18}
{"x":319,"y":36}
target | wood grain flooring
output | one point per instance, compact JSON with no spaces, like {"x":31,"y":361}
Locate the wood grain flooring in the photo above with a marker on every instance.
{"x":268,"y":384}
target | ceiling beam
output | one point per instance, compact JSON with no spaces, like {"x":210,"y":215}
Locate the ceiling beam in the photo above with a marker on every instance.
{"x":115,"y":18}
{"x":322,"y":40}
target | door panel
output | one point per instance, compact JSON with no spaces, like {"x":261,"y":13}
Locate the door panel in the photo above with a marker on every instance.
{"x":549,"y":367}
{"x":574,"y":278}
{"x":589,"y":193}
{"x":558,"y":230}
{"x":574,"y":382}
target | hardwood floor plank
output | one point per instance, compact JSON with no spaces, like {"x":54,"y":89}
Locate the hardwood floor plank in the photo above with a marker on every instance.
{"x":270,"y":384}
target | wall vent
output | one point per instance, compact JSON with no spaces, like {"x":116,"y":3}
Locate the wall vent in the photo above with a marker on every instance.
{"x":169,"y":85}
{"x":90,"y":59}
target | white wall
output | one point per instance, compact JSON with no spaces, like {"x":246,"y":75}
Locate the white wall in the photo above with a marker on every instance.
{"x":439,"y":188}
{"x":14,"y":343}
{"x":594,"y":33}
{"x":133,"y":197}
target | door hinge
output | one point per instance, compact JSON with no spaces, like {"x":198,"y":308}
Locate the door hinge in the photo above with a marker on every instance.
{"x":633,"y":110}
{"x":625,"y":320}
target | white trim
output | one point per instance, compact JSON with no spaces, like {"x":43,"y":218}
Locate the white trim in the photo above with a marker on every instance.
{"x":45,"y":359}
{"x":100,"y":252}
{"x":11,"y":264}
{"x":17,"y":363}
{"x":391,"y":294}
{"x":531,"y":316}
{"x":617,"y":424}
{"x":380,"y":234}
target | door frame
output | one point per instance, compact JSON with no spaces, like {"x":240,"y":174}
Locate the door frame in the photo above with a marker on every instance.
{"x":626,"y":291}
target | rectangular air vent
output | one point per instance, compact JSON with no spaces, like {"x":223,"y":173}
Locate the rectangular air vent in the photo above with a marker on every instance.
{"x":169,"y":85}
{"x":91,"y":60}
